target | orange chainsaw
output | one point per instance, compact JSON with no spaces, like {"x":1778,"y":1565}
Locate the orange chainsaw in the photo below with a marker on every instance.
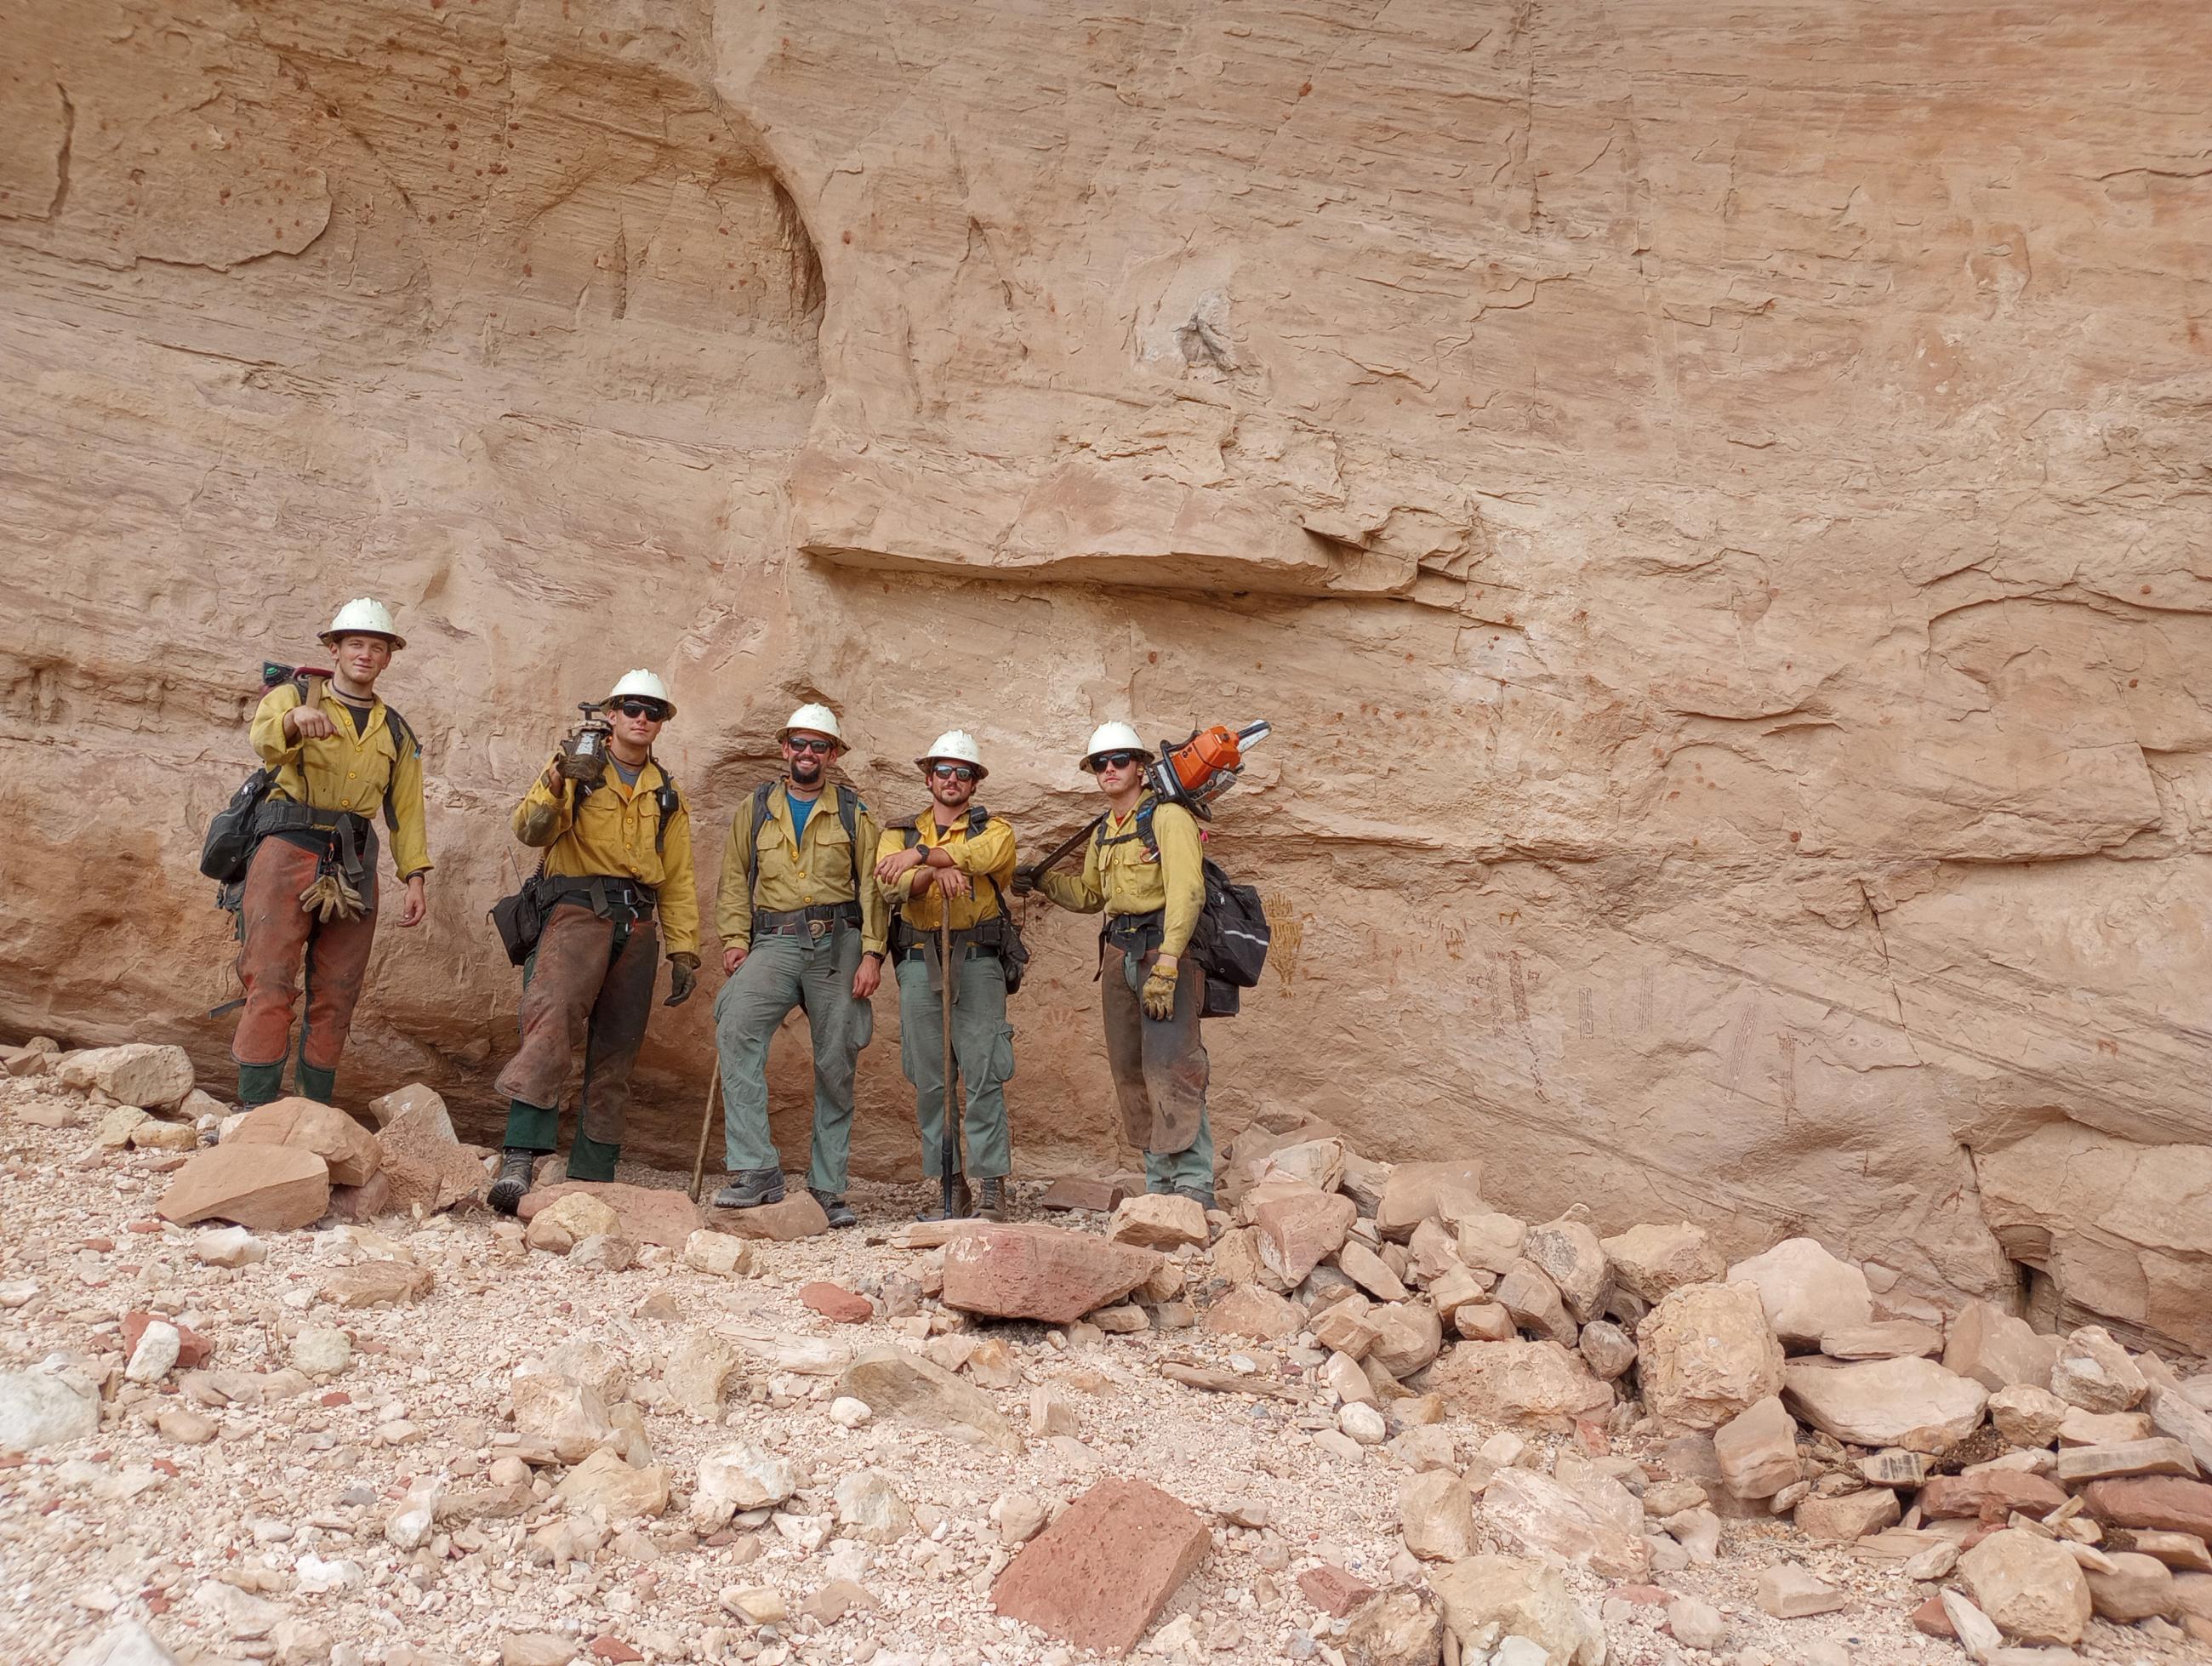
{"x":1193,"y":775}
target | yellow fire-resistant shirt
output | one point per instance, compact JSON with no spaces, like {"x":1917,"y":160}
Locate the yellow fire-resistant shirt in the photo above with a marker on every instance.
{"x":818,"y":873}
{"x":1122,"y":878}
{"x":987,"y":860}
{"x":615,"y":833}
{"x":348,"y":770}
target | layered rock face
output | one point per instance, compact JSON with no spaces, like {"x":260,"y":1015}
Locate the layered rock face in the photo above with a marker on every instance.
{"x":1714,"y":505}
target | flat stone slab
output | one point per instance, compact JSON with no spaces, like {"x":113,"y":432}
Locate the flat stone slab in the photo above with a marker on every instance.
{"x":1044,"y":1273}
{"x":1099,"y":1575}
{"x":648,"y":1214}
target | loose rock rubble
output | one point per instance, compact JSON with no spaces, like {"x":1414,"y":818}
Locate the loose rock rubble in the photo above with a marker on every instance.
{"x":1359,"y":1417}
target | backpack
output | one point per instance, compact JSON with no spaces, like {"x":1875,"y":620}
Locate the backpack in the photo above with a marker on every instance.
{"x":848,"y":812}
{"x":1013,"y":954}
{"x":227,"y":849}
{"x":1230,"y":942}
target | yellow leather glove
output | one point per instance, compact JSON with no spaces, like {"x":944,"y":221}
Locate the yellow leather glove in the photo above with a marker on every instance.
{"x":1159,"y":992}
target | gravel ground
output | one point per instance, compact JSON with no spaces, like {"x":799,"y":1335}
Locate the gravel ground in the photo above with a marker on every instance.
{"x":289,"y":1499}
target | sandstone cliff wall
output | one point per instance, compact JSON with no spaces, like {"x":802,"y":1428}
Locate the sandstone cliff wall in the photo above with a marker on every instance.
{"x":1715,"y":502}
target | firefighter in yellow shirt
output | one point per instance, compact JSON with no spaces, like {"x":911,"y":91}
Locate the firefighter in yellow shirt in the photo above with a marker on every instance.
{"x":339,"y":756}
{"x":1146,"y":869}
{"x":954,"y":864}
{"x":618,"y":880}
{"x":801,"y":920}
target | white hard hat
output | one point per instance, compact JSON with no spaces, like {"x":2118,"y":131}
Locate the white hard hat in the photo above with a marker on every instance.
{"x":646,"y":686}
{"x":364,"y":616}
{"x":1115,"y":738}
{"x":815,"y":720}
{"x":955,"y":746}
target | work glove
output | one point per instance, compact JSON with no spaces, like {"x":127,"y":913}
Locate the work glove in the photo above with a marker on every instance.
{"x":683,"y":978}
{"x":1024,"y":881}
{"x":332,"y":898}
{"x":1160,"y":991}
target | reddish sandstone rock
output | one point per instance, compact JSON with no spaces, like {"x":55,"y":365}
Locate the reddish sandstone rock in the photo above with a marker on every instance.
{"x":1099,"y":1575}
{"x":648,"y":1214}
{"x":1082,"y":1191}
{"x":1300,"y":1227}
{"x":1045,"y":1273}
{"x":418,"y":1135}
{"x":350,"y":1149}
{"x":268,"y":1188}
{"x":834,"y":1302}
{"x":365,"y":1201}
{"x":1416,"y":1191}
{"x":1991,"y":1495}
{"x":193,"y":1350}
{"x":798,"y":1216}
{"x":2165,"y":1502}
{"x":1333,"y":1591}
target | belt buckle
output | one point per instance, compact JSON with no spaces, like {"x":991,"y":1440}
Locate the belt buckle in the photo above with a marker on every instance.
{"x":818,"y":929}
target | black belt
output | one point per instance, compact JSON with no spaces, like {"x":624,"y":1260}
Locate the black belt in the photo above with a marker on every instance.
{"x":344,"y":838}
{"x":1136,"y":933}
{"x":817,"y":922}
{"x":607,"y":896}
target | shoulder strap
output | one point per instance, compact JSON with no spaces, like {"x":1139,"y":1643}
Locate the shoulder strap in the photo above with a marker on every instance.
{"x":670,"y":802}
{"x":848,"y":812}
{"x":760,"y":820}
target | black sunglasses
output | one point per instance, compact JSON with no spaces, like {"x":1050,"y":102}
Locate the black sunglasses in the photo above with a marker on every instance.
{"x":819,"y":748}
{"x":1112,"y":760}
{"x":953,"y":771}
{"x":652,"y":708}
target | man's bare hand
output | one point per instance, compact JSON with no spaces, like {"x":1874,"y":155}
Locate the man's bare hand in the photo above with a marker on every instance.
{"x":898,"y":863}
{"x":307,"y":723}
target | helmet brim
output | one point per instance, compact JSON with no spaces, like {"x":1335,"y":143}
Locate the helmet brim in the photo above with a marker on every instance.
{"x":332,"y":638}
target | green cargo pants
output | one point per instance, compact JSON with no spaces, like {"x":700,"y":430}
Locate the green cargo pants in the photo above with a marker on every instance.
{"x":779,"y":973}
{"x":982,"y":1049}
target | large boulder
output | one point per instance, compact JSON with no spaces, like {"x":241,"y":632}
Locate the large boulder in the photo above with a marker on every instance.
{"x":1599,"y":1526}
{"x":2030,"y":1585}
{"x":1707,"y":1354}
{"x":1649,"y":1261}
{"x":1043,"y":1272}
{"x":349,"y":1149}
{"x":1807,"y":1291}
{"x":1536,"y":1385}
{"x":268,"y":1188}
{"x":1489,"y":1598}
{"x":1913,"y":1403}
{"x":1997,"y":1350}
{"x":153,"y":1076}
{"x":1300,"y":1227}
{"x":1416,"y":1191}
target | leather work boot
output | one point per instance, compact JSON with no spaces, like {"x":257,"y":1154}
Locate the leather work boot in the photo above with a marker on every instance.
{"x":963,"y":1202}
{"x":840,"y":1212}
{"x":992,"y":1205}
{"x":515,"y":1168}
{"x":750,"y":1188}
